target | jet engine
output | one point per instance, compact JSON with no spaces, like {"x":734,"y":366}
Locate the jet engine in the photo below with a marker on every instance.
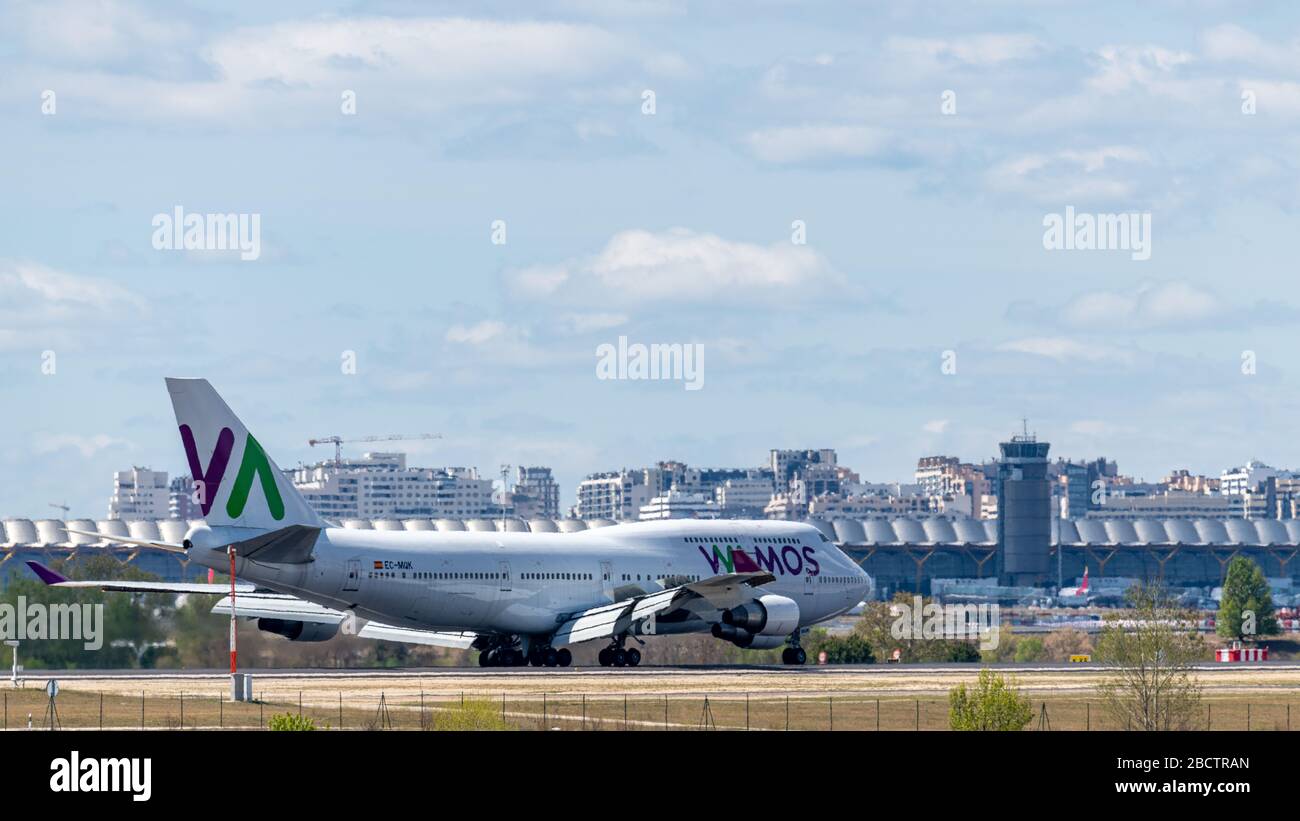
{"x":298,"y":630}
{"x":762,"y":622}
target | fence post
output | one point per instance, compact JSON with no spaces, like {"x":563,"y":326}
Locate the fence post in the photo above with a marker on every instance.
{"x":1247,"y":715}
{"x":462,"y":696}
{"x":101,"y":712}
{"x":584,"y":709}
{"x":341,"y":709}
{"x":503,"y":705}
{"x":259,"y":714}
{"x":1209,"y":716}
{"x":300,"y":702}
{"x":830,"y":700}
{"x":665,"y":711}
{"x":746,"y":711}
{"x":918,"y":714}
{"x":877,"y":715}
{"x":787,"y":712}
{"x":142,"y":709}
{"x":221,"y":710}
{"x":182,"y":711}
{"x":1087,"y":720}
{"x":1288,"y":718}
{"x":625,"y":712}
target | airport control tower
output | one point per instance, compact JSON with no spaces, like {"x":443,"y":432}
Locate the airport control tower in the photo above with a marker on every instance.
{"x":1024,"y":511}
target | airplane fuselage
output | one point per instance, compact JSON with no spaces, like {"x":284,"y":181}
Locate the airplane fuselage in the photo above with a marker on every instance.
{"x":526,"y":583}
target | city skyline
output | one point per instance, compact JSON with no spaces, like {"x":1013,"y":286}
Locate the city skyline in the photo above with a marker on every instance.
{"x":845,"y":208}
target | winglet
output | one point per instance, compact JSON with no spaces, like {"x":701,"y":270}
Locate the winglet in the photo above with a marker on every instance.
{"x":47,"y":575}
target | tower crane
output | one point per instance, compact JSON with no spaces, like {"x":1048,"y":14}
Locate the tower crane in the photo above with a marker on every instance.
{"x":338,"y":441}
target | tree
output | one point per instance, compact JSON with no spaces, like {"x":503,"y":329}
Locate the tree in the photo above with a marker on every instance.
{"x":847,"y":649}
{"x":1061,"y":644}
{"x":879,"y":620}
{"x":1246,"y":609}
{"x":994,"y":704}
{"x":1149,"y":651}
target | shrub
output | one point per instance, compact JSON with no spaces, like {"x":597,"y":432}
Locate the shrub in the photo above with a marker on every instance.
{"x":474,"y":714}
{"x":291,"y":722}
{"x":994,"y":704}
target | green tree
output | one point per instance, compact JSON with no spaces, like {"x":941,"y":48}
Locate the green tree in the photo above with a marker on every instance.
{"x":847,"y":649}
{"x":1029,"y":649}
{"x":1149,"y":651}
{"x":994,"y":704}
{"x":1246,"y":609}
{"x":881,"y":622}
{"x":291,"y":722}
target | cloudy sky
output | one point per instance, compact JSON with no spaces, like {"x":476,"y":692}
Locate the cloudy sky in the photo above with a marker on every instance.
{"x":919,"y":146}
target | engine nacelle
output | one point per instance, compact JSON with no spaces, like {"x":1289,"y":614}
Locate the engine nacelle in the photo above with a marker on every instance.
{"x":298,"y":630}
{"x":759,"y":622}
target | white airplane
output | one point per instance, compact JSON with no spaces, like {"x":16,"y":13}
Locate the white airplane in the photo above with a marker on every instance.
{"x":1074,"y":596}
{"x":518,"y":598}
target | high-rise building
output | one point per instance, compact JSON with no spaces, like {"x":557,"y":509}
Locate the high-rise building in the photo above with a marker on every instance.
{"x":380,"y":485}
{"x":617,"y":496}
{"x":139,"y":493}
{"x":535,"y":494}
{"x":180,"y":499}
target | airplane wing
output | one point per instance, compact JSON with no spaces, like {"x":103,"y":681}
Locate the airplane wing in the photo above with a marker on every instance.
{"x":722,"y":592}
{"x":289,"y":608}
{"x":56,"y":579}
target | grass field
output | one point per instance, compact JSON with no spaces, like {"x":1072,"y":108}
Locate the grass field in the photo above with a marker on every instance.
{"x":524,"y":703}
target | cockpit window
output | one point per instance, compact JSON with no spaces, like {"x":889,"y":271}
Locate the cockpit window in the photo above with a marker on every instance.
{"x":824,"y":539}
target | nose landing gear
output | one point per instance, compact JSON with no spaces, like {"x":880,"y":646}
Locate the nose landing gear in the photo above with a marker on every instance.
{"x":794,"y":654}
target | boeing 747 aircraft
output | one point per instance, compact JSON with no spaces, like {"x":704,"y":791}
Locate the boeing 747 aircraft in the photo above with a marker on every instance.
{"x":517,"y":598}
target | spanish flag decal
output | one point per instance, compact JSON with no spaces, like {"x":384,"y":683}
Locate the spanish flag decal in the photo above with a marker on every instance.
{"x":378,"y":565}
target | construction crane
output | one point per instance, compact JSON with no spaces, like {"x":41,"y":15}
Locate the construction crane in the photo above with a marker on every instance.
{"x":66,"y":510}
{"x":338,"y":441}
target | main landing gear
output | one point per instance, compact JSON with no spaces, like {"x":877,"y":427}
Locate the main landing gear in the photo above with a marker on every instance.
{"x":616,"y":655}
{"x":502,"y":657}
{"x":550,"y":657}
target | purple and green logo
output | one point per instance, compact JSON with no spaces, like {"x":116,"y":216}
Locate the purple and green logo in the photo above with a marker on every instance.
{"x":253,"y":465}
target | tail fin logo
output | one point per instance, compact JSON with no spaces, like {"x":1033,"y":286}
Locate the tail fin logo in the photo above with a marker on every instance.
{"x":253,"y":464}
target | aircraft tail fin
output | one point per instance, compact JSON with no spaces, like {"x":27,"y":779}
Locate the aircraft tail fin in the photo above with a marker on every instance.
{"x":237,"y":484}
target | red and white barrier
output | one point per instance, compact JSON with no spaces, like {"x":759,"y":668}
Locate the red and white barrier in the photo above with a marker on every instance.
{"x":1229,"y":654}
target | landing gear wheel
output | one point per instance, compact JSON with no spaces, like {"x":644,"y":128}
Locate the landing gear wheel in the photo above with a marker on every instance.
{"x":604,"y":657}
{"x":535,"y":658}
{"x":485,"y":659}
{"x":799,"y":655}
{"x":550,"y":658}
{"x":793,"y":655}
{"x":564,"y":657}
{"x":619,"y":657}
{"x":512,"y":658}
{"x":633,"y":657}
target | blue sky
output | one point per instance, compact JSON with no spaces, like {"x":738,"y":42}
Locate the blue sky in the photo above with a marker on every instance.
{"x":924,"y":230}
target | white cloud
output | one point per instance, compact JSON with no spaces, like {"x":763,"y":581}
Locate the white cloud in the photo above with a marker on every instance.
{"x":1103,"y":173}
{"x":1150,"y":306}
{"x":806,"y":143}
{"x":41,"y":307}
{"x":1063,"y":348}
{"x":979,"y":50}
{"x":285,"y":71}
{"x":679,"y":265}
{"x":88,"y":445}
{"x":935,"y":426}
{"x":477,"y":334}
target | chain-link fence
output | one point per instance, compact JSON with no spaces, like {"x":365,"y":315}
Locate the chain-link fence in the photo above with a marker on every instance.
{"x":31,"y":708}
